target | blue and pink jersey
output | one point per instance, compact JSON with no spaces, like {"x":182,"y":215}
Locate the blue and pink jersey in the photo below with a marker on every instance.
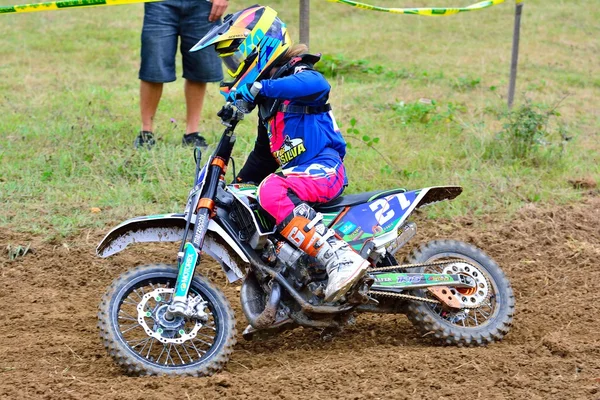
{"x":298,"y":138}
{"x":309,"y":147}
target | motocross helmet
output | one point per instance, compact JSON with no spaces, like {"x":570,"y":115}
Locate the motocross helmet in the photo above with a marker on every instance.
{"x":249,"y":42}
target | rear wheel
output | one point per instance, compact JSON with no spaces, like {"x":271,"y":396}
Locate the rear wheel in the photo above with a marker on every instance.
{"x":143,"y":341}
{"x":489,"y":321}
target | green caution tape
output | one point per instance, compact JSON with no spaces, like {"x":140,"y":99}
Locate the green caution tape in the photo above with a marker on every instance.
{"x":431,"y":11}
{"x":61,"y":5}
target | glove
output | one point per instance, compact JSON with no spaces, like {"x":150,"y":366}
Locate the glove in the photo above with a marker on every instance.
{"x":243,"y":93}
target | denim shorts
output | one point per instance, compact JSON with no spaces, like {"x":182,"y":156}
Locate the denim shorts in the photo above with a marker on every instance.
{"x":165,"y":22}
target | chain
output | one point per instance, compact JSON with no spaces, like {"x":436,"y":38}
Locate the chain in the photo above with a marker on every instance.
{"x":403,"y":296}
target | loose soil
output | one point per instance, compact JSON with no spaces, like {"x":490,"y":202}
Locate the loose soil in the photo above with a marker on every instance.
{"x":50,"y":347}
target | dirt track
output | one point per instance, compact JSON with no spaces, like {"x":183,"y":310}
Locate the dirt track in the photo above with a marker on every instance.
{"x":50,"y":348}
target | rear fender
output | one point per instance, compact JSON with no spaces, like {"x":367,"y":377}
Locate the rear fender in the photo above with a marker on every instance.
{"x":405,"y":203}
{"x":170,"y":228}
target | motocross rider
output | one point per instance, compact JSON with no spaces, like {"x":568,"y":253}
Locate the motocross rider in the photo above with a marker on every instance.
{"x":296,"y":132}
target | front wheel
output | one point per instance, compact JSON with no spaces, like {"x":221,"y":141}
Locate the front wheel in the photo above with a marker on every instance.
{"x":486,"y":323}
{"x":142,"y":341}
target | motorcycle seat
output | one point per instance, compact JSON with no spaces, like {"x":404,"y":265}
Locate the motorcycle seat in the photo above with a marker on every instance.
{"x":349,"y":200}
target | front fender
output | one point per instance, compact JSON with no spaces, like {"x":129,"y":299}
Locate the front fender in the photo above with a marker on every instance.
{"x":170,"y":228}
{"x":150,"y":228}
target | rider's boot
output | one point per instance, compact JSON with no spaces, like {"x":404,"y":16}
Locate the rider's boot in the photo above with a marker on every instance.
{"x":304,"y":228}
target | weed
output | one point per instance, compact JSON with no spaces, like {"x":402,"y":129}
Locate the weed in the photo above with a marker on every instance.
{"x":431,"y":77}
{"x":338,"y":65}
{"x":17,"y":251}
{"x":415,"y":112}
{"x":425,"y":111}
{"x":539,"y":86}
{"x":528,"y":136}
{"x":332,"y":66}
{"x":464,"y":83}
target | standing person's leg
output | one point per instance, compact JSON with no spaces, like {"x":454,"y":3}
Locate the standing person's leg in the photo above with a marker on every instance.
{"x":194,"y":100}
{"x":159,"y":46}
{"x":199,"y":67}
{"x":150,"y":93}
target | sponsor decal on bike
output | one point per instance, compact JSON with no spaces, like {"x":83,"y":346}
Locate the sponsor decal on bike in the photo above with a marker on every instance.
{"x":186,"y":270}
{"x":382,"y":279}
{"x":199,"y":231}
{"x":378,"y":216}
{"x":347,"y":228}
{"x":439,"y":278}
{"x":409,"y":279}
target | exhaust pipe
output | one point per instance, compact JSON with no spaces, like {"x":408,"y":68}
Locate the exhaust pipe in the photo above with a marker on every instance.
{"x":259,"y":314}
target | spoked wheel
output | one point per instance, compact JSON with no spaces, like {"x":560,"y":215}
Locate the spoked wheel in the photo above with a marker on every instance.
{"x":143,"y":341}
{"x":490,"y":305}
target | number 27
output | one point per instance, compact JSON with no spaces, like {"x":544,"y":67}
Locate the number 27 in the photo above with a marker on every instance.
{"x":382,"y":211}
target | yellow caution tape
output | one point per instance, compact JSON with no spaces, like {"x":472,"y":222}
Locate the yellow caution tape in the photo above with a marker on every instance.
{"x":431,"y":12}
{"x":66,"y":4}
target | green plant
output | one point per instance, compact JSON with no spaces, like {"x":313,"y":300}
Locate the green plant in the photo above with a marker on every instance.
{"x":17,"y":251}
{"x":334,"y":65}
{"x":528,"y":135}
{"x":415,"y":112}
{"x":464,"y":83}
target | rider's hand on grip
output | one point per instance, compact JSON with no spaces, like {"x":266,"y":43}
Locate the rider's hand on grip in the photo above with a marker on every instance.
{"x":245,"y":97}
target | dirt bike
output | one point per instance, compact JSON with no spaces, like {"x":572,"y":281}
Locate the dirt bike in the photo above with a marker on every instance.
{"x":170,"y":320}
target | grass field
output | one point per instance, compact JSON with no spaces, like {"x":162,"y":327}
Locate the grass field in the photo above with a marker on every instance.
{"x":424,"y":99}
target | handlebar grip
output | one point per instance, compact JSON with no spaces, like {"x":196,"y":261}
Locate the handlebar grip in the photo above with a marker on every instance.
{"x":255,"y":89}
{"x":245,"y":106}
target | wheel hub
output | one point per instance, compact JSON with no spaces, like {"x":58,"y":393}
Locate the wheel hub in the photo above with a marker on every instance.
{"x":470,"y":297}
{"x":166,"y":331}
{"x":173,"y":324}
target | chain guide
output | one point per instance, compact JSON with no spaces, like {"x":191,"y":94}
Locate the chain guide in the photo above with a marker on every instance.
{"x":420,"y":265}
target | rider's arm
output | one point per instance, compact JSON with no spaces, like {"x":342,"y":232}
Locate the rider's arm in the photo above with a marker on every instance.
{"x":305,"y":86}
{"x":260,"y":162}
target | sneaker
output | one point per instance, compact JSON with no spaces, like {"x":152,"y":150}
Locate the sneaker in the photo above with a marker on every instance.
{"x":144,"y":140}
{"x":194,"y":139}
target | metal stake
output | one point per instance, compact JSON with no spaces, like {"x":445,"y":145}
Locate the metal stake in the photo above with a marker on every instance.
{"x":515,"y":53}
{"x":304,"y":21}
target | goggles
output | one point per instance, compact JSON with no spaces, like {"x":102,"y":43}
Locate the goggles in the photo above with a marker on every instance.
{"x":233,"y":62}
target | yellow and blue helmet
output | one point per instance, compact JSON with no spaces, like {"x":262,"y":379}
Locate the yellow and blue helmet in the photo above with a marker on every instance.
{"x":249,"y":42}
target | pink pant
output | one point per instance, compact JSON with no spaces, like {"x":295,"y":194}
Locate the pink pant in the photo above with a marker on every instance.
{"x":314,"y":183}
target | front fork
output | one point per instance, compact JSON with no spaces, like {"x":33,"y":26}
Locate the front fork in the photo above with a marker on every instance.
{"x":204,"y":208}
{"x":191,"y":253}
{"x":187,"y":265}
